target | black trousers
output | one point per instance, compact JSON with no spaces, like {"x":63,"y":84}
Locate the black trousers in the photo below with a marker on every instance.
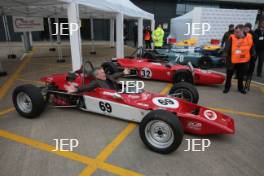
{"x":240,"y":70}
{"x":260,"y":62}
{"x":148,"y":44}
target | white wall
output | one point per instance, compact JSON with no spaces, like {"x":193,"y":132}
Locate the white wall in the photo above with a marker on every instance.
{"x":218,"y":18}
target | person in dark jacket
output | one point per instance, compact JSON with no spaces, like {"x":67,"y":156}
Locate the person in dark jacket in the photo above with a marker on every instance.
{"x":135,"y":34}
{"x":251,"y":66}
{"x":259,"y":44}
{"x":102,"y":80}
{"x":238,"y":51}
{"x":125,"y":34}
{"x":248,"y":29}
{"x":227,"y":34}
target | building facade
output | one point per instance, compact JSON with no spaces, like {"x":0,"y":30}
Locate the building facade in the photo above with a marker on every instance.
{"x":164,"y":10}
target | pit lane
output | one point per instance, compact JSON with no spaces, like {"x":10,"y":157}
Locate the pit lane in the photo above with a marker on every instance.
{"x":113,"y":147}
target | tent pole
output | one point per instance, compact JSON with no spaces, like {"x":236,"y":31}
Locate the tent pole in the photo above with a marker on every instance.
{"x":60,"y":58}
{"x":152,"y":29}
{"x":2,"y":72}
{"x":30,"y":38}
{"x":140,"y":32}
{"x":112,"y":33}
{"x":8,"y":38}
{"x":119,"y":35}
{"x":50,"y":36}
{"x":92,"y":36}
{"x":26,"y":40}
{"x":75,"y":38}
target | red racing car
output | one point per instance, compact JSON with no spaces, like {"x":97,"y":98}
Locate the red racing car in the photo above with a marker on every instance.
{"x":159,"y":69}
{"x":163,"y":119}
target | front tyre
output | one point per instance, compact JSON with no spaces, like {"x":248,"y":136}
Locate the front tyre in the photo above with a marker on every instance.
{"x":185,"y":91}
{"x":161,"y":131}
{"x":28,"y":101}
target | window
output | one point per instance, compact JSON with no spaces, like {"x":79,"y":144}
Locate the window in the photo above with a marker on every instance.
{"x":185,"y":8}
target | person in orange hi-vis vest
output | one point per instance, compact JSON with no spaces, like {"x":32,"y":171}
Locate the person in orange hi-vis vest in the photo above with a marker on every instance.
{"x":147,"y":37}
{"x":238,"y":51}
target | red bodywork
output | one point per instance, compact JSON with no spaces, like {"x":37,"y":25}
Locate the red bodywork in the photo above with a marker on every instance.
{"x":159,"y":71}
{"x":195,"y":119}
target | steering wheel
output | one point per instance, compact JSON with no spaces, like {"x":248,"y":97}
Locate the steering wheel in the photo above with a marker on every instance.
{"x":87,"y":68}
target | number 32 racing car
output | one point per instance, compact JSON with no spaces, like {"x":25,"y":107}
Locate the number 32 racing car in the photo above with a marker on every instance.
{"x":155,"y":68}
{"x":162,"y":119}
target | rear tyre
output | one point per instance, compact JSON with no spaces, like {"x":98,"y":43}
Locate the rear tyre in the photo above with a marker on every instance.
{"x":185,"y":91}
{"x":205,"y":63}
{"x":110,"y":68}
{"x":28,"y":101}
{"x":161,"y":131}
{"x":183,"y":76}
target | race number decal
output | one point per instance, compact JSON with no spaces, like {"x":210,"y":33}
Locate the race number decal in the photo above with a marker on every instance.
{"x":105,"y":107}
{"x":210,"y":115}
{"x":179,"y":58}
{"x":165,"y":102}
{"x":146,"y":73}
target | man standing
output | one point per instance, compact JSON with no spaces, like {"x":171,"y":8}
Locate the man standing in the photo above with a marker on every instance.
{"x":259,"y":43}
{"x":251,"y":66}
{"x":157,"y":37}
{"x":125,"y":34}
{"x":238,"y":52}
{"x":248,"y":29}
{"x":147,"y":37}
{"x":135,"y":34}
{"x":227,"y":34}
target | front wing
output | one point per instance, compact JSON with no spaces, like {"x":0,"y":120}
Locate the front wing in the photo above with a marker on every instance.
{"x":207,"y":121}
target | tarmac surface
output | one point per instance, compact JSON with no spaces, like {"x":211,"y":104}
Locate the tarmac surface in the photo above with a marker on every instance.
{"x":110,"y":146}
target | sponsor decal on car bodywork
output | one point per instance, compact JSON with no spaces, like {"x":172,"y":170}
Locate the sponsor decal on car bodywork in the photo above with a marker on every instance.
{"x":210,"y":115}
{"x":194,"y":125}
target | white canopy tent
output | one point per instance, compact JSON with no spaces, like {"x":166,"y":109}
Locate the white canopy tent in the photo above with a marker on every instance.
{"x":76,"y":9}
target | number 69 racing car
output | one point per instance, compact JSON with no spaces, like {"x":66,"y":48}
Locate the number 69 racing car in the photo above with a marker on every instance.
{"x":162,"y":119}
